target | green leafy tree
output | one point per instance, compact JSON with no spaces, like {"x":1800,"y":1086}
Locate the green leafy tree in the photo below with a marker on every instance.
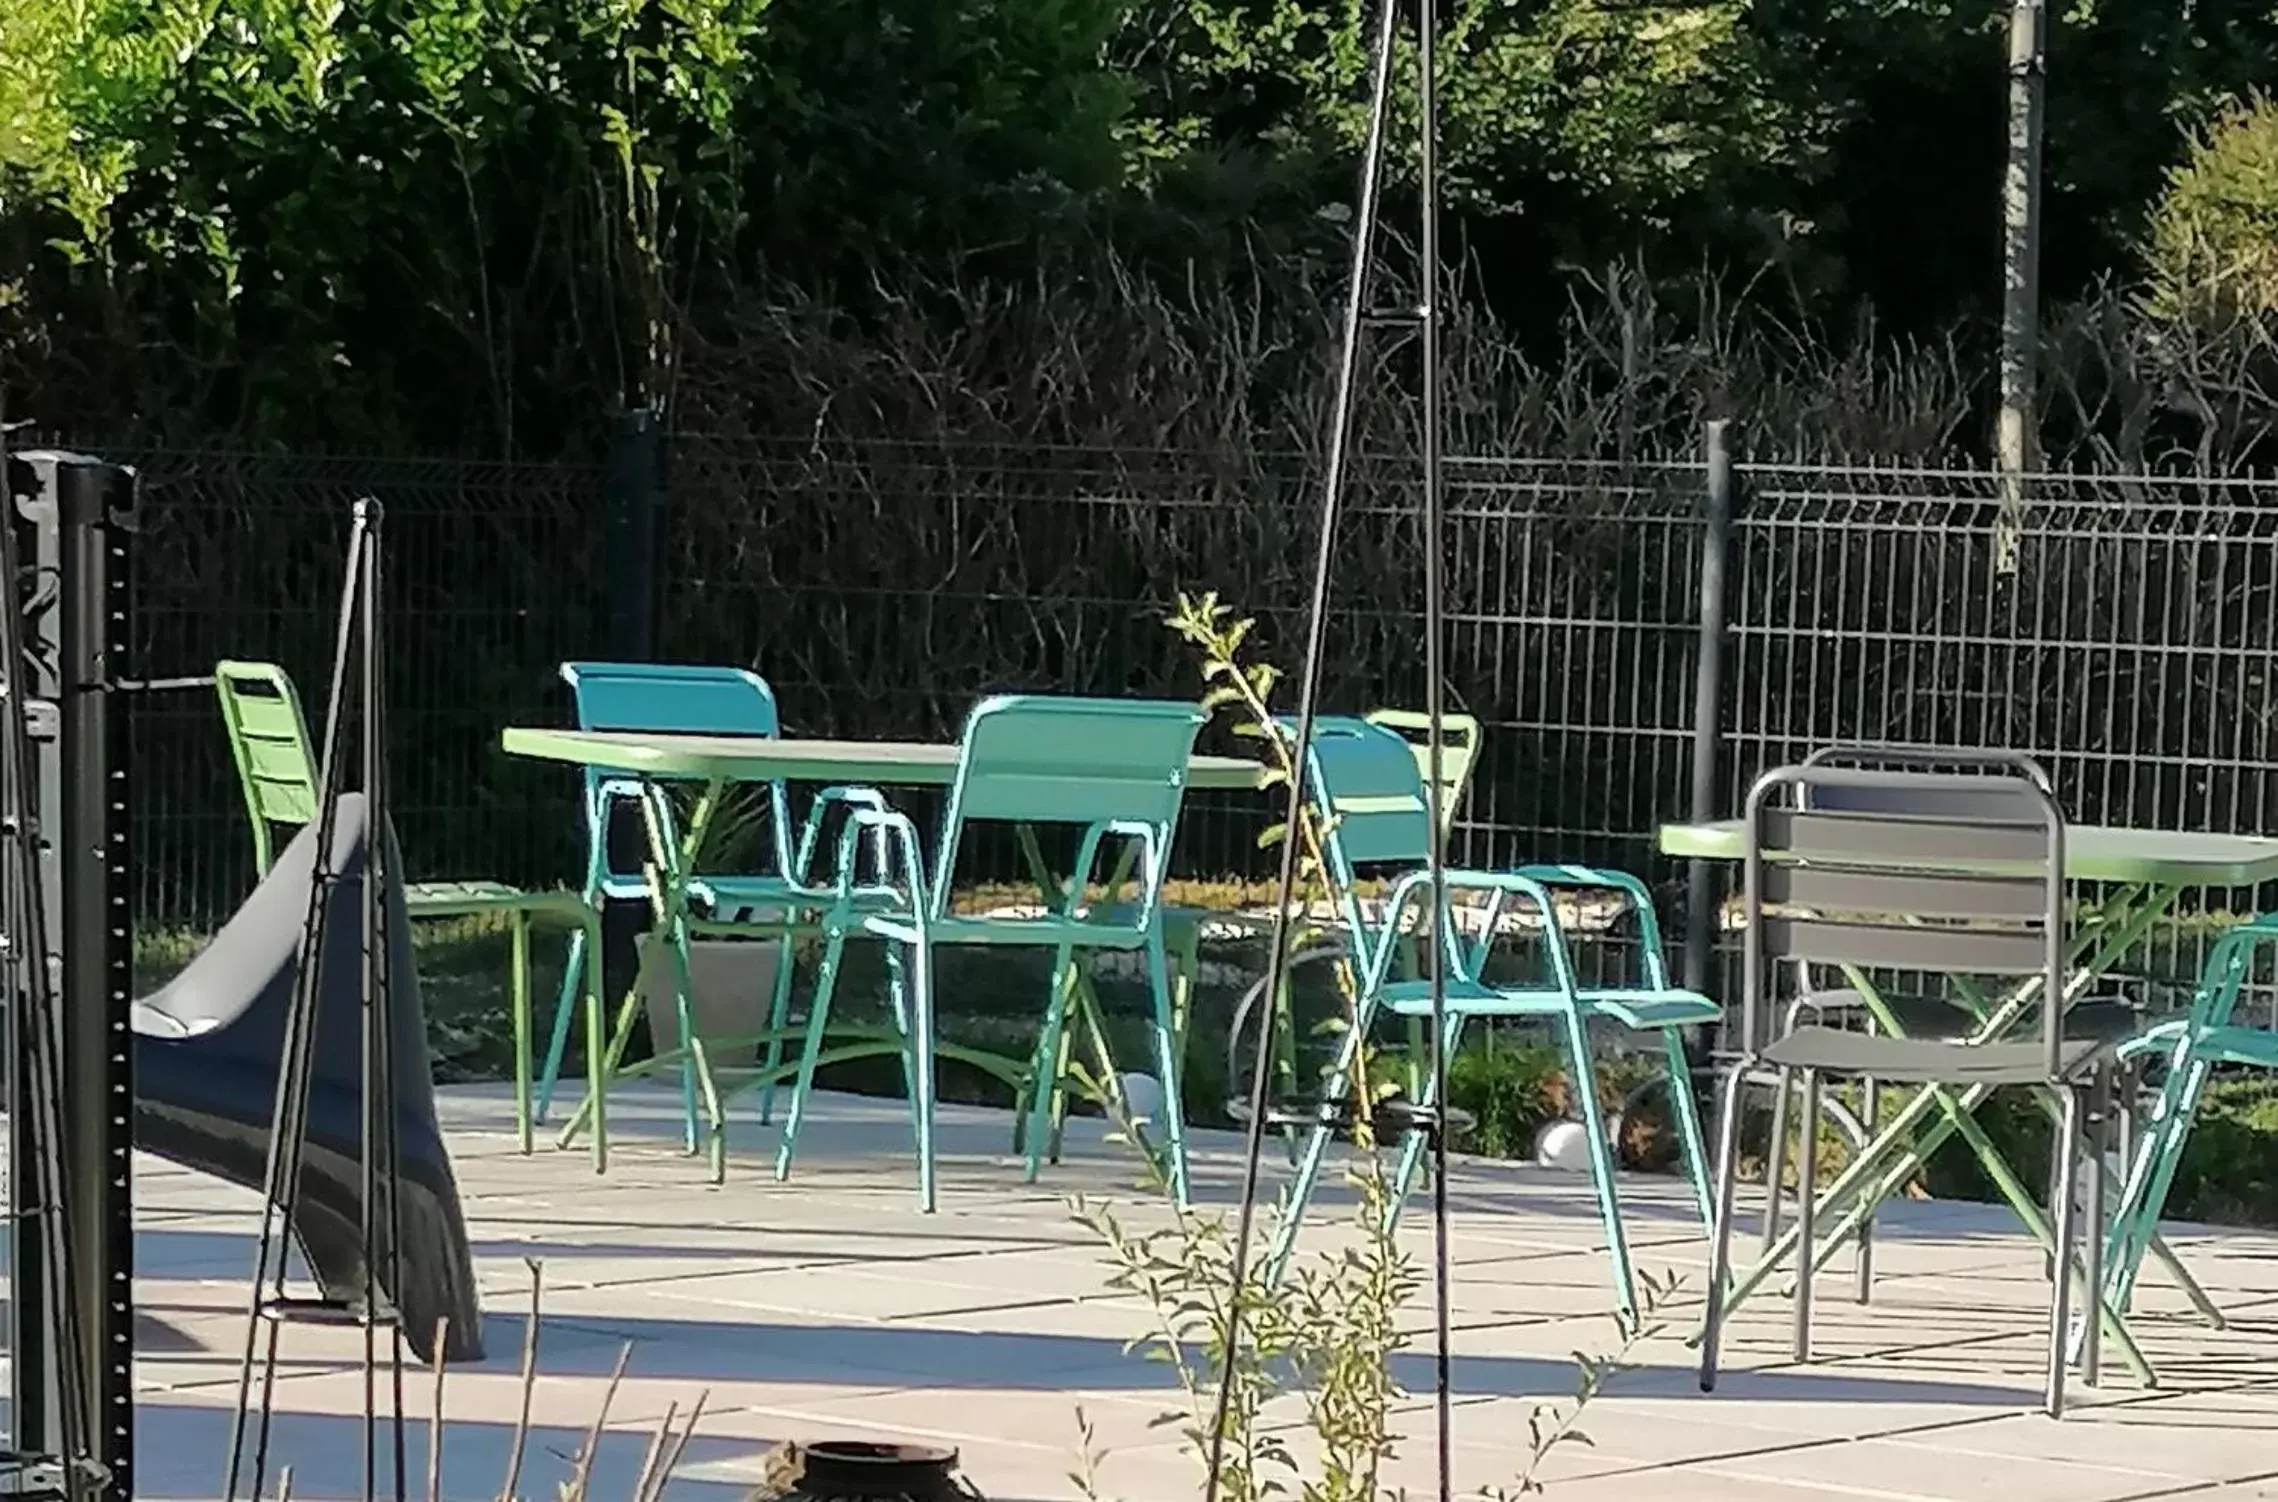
{"x":2212,"y":248}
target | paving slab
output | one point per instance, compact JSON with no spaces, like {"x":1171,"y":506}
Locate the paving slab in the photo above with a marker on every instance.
{"x":829,"y":1306}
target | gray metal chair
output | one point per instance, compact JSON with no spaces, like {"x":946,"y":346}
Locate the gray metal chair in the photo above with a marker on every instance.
{"x":1928,"y":874}
{"x":1971,"y":802}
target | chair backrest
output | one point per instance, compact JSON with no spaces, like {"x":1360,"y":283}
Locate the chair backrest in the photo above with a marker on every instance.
{"x":1902,"y":869}
{"x":1459,"y":750}
{"x":1368,"y":783}
{"x":688,"y":698}
{"x":269,"y":742}
{"x":1366,"y":780}
{"x":1105,"y":764}
{"x":668,"y":697}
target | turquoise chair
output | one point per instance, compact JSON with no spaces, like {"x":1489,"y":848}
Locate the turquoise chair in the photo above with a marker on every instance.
{"x":1110,"y":767}
{"x":1365,"y":779}
{"x":2194,"y":1046}
{"x":669,"y":697}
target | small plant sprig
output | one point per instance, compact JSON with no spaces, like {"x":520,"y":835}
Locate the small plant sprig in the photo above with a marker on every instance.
{"x":1549,"y":1427}
{"x":1330,"y":1330}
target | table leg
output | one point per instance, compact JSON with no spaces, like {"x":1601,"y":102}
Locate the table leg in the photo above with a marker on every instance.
{"x":1083,"y":998}
{"x":669,"y":872}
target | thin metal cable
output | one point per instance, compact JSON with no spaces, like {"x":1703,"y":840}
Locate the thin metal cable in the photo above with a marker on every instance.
{"x":288,"y":1122}
{"x":1308,"y":706}
{"x":269,"y":1302}
{"x":380,"y":1131}
{"x":1435,"y":710}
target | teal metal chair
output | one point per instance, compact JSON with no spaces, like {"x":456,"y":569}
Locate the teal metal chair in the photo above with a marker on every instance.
{"x":693,"y":699}
{"x":2193,"y":1046}
{"x":1365,"y":780}
{"x":1109,"y":767}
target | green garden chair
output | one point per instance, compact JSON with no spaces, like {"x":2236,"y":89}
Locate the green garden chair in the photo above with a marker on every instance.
{"x":269,"y":742}
{"x":1108,"y":767}
{"x":2193,"y":1046}
{"x":1364,"y":779}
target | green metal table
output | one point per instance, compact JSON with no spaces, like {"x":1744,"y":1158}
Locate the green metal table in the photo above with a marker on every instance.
{"x":2135,"y":877}
{"x":717,"y":763}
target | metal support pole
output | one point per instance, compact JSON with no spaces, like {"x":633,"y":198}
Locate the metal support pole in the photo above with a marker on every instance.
{"x":2015,"y":441}
{"x":633,"y":484}
{"x":76,"y":637}
{"x":1708,"y":698}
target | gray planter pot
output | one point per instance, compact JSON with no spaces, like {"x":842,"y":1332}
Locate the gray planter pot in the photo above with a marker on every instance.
{"x":731,"y":985}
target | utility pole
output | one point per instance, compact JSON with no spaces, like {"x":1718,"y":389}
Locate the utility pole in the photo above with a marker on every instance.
{"x":2016,"y":442}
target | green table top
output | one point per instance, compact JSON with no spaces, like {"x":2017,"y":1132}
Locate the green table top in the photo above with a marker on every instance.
{"x":2092,"y":852}
{"x":757,"y":758}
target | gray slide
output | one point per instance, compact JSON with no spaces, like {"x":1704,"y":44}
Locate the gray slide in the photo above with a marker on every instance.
{"x":207,"y":1055}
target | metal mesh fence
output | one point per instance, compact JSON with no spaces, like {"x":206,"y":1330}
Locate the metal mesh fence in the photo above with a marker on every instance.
{"x":884,"y":587}
{"x":492,"y":579}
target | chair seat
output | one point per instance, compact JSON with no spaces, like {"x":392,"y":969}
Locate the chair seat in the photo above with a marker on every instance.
{"x":1926,"y":1060}
{"x":2255,"y":1046}
{"x":1641,"y":1009}
{"x":466,"y":899}
{"x":1044,"y":928}
{"x":732,"y":898}
{"x":2107,"y":1019}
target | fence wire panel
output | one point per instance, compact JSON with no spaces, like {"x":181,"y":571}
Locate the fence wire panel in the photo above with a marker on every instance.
{"x":885,"y":587}
{"x":492,"y":578}
{"x":2132,"y":650}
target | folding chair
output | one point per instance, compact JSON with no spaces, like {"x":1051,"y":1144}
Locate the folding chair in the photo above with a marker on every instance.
{"x":1926,"y":873}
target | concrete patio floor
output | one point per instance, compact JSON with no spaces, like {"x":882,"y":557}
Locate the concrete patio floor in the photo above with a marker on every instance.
{"x":828,"y":1307}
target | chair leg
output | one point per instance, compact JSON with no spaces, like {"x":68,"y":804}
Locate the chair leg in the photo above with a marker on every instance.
{"x":922,"y":1040}
{"x":818,"y":1019}
{"x":1583,"y":1077}
{"x":1419,"y":1075}
{"x":1413,"y":1164}
{"x":1044,"y":1082}
{"x":2060,"y":1286}
{"x":2092,"y":1232}
{"x":1168,"y":1066}
{"x":1686,"y":1109}
{"x":778,"y":1016}
{"x":518,"y":987}
{"x":597,"y":1060}
{"x":1299,"y":1192}
{"x":898,"y":997}
{"x":1870,"y":1111}
{"x":1776,"y":1162}
{"x":1734,"y":1086}
{"x":583,"y":948}
{"x":1807,"y":1169}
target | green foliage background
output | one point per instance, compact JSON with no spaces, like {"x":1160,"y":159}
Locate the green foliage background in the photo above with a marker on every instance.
{"x":488,"y":223}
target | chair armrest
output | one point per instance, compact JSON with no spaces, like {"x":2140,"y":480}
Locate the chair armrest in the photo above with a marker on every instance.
{"x":897,"y":838}
{"x":1640,"y":900}
{"x":1502,"y":884}
{"x":810,"y":836}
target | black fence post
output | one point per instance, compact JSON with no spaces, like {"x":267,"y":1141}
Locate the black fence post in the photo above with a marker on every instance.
{"x":1708,"y":696}
{"x":633,"y":490}
{"x":633,"y":487}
